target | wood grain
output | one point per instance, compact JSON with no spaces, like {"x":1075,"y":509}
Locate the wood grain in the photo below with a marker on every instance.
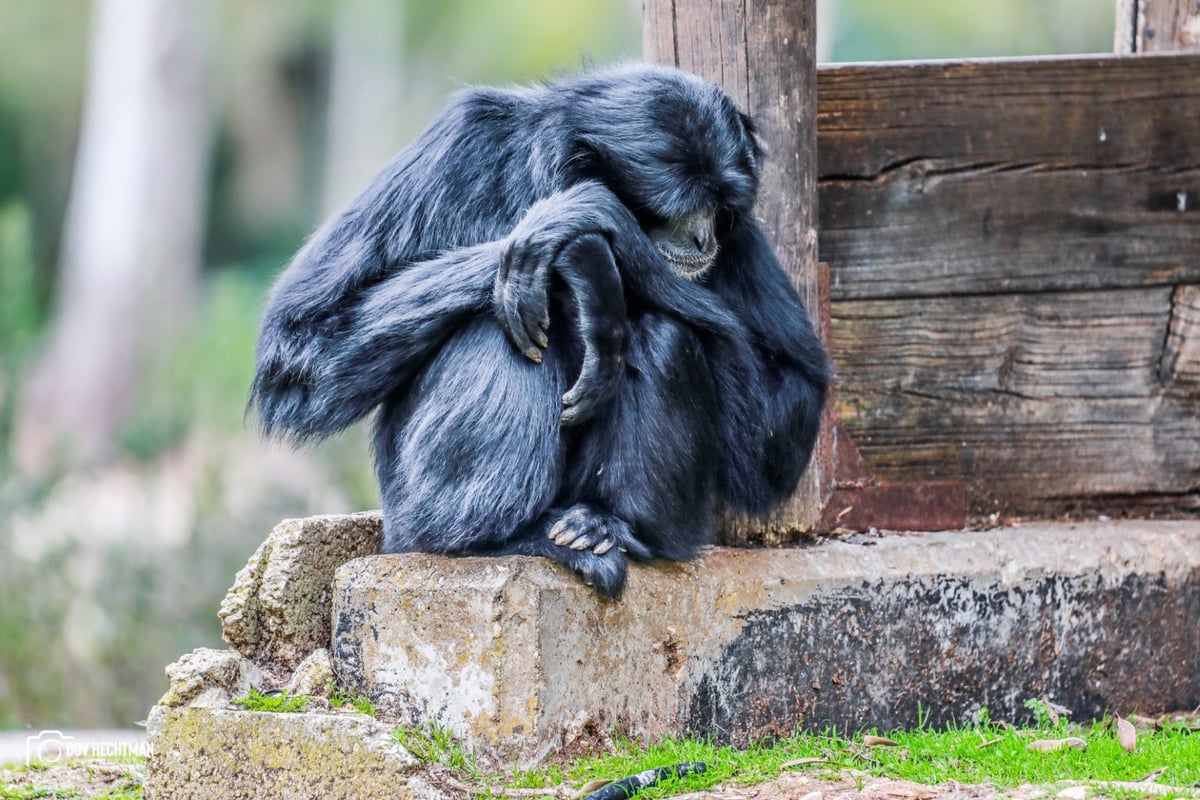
{"x":1010,"y":176}
{"x":1029,"y":398}
{"x":1180,"y":365}
{"x":1157,"y":26}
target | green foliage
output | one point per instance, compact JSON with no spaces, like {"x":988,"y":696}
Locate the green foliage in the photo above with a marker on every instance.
{"x":76,"y":778}
{"x":33,"y":599}
{"x":877,"y":30}
{"x":129,"y":792}
{"x":1043,"y":717}
{"x":201,"y":380}
{"x":282,"y":702}
{"x":19,"y":318}
{"x":34,"y":793}
{"x":433,"y":743}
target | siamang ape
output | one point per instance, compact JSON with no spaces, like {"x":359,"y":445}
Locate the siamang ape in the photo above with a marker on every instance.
{"x":600,"y":229}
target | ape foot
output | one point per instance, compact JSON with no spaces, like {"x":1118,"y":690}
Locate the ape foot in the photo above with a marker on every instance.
{"x":597,"y":546}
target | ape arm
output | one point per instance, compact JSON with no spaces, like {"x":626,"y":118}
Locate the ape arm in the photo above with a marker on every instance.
{"x":319,"y":373}
{"x":784,"y":382}
{"x":633,"y":265}
{"x":332,"y":349}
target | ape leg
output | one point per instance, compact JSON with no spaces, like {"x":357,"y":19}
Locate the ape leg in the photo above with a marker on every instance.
{"x":471,"y":453}
{"x":470,"y":458}
{"x":472,"y":467}
{"x":647,"y":459}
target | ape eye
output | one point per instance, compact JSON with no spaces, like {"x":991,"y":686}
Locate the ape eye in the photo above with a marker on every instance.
{"x":726,"y":217}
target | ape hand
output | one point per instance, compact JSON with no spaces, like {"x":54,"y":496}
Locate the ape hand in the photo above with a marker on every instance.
{"x":568,"y":233}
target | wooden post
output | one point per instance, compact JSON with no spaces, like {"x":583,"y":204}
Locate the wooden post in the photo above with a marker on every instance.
{"x":1158,"y":26}
{"x":763,"y":53}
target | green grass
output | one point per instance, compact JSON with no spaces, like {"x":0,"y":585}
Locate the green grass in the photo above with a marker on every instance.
{"x":338,"y":698}
{"x":282,"y":702}
{"x":980,"y":753}
{"x":435,"y":744}
{"x":129,"y":787}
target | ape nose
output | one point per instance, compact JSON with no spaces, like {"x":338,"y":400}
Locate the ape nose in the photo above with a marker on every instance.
{"x":700,"y":231}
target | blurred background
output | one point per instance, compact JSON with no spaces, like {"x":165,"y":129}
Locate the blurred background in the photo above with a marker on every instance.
{"x":159,"y":162}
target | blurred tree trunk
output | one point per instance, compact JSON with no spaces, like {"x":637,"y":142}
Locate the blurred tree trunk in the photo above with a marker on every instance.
{"x":366,"y":112}
{"x":132,"y":238}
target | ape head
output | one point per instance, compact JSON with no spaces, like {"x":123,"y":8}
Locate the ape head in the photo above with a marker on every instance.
{"x":676,"y":151}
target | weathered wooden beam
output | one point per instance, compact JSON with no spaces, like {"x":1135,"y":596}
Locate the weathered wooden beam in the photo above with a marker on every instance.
{"x":1015,"y":258}
{"x":1010,"y":176}
{"x":1038,"y":401}
{"x":762,"y":52}
{"x":1157,"y":26}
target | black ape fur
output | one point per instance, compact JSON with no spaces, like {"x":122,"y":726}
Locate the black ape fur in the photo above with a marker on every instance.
{"x":599,"y":229}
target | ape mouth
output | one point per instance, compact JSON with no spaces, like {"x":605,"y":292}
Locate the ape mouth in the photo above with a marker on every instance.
{"x":689,"y":264}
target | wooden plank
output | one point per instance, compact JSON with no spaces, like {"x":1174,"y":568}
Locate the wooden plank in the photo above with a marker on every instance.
{"x":762,"y":52}
{"x":1157,"y":26}
{"x":1010,"y":175}
{"x":1033,"y":400}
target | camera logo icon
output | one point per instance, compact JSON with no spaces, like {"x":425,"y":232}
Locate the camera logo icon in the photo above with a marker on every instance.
{"x":48,"y":747}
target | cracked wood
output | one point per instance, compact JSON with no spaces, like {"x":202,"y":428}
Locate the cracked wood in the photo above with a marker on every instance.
{"x":1029,"y":398}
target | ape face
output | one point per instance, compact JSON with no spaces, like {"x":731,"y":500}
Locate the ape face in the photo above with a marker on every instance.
{"x":689,"y":244}
{"x":680,"y":156}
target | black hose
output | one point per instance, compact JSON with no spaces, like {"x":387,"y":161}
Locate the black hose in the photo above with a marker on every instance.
{"x":628,"y":787}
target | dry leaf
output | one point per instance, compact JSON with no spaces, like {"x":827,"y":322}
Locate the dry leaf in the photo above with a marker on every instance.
{"x":1050,"y":745}
{"x":589,"y":787}
{"x":1126,"y":734}
{"x":1054,"y":710}
{"x":879,"y":741}
{"x":1144,"y":722}
{"x":988,"y":743}
{"x":803,"y":762}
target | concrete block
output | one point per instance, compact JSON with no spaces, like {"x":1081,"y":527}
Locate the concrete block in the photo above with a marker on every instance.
{"x":514,"y":653}
{"x":277,"y":611}
{"x":206,"y":753}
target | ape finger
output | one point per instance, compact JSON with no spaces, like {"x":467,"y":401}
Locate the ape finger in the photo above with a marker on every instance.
{"x":583,"y":400}
{"x":507,"y":300}
{"x":536,"y":306}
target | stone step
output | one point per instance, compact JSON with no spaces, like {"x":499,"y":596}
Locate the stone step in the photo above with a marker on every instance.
{"x":522,"y":660}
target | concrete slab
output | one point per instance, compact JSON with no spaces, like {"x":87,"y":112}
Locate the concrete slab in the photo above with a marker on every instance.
{"x":206,"y":753}
{"x":517,"y":656}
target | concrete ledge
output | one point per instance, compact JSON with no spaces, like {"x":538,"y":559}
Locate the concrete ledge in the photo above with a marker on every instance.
{"x":517,"y":656}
